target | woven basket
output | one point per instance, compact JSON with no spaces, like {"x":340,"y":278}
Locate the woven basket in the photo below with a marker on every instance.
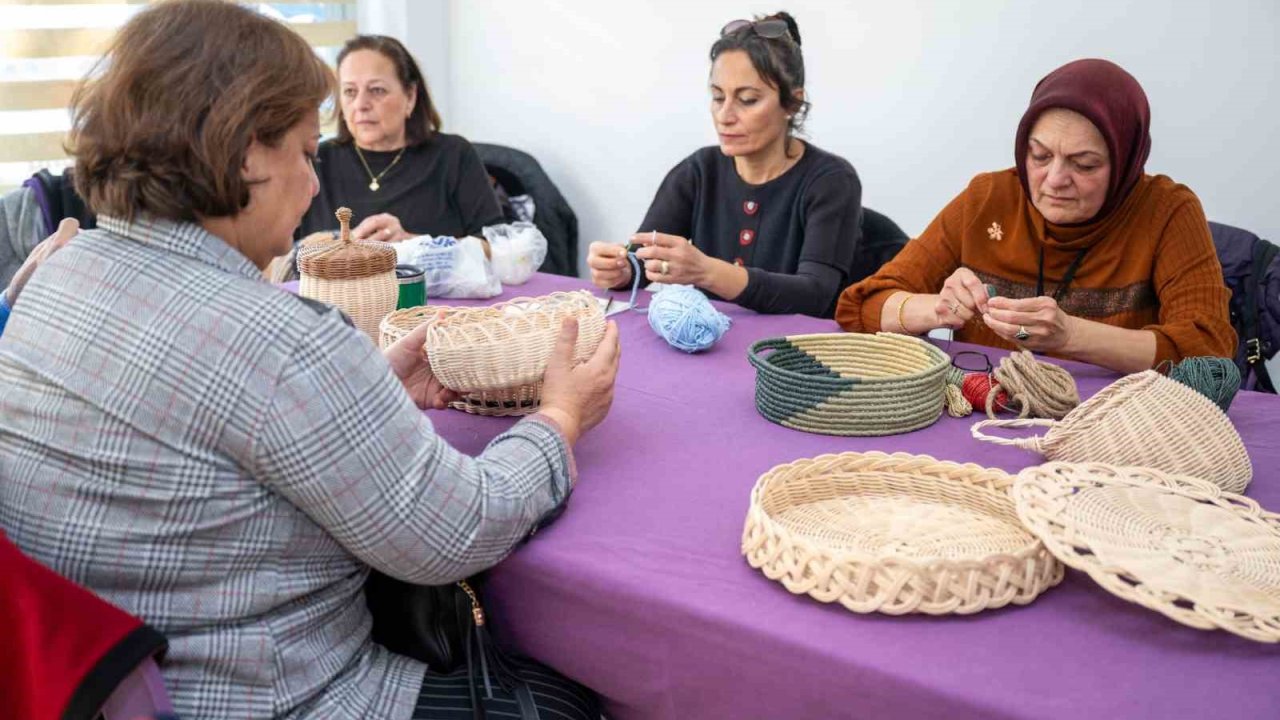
{"x":511,"y":401}
{"x":895,"y":534}
{"x":850,"y":384}
{"x":1172,"y":543}
{"x":357,"y":277}
{"x":1147,"y":420}
{"x":496,"y":355}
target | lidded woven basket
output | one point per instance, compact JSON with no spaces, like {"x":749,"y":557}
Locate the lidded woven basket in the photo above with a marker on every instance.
{"x":357,"y":277}
{"x":1146,"y":420}
{"x":850,"y":383}
{"x":895,"y":534}
{"x":496,"y":355}
{"x":1175,"y":544}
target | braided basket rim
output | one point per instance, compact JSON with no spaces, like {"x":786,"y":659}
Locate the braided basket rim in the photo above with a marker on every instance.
{"x":1032,"y":561}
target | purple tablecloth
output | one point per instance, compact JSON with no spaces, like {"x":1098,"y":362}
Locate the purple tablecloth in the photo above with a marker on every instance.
{"x":641,"y":592}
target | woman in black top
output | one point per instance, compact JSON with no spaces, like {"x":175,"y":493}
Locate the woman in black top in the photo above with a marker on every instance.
{"x":764,"y":220}
{"x":389,"y":163}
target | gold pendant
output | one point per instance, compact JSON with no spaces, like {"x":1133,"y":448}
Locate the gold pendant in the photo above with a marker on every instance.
{"x":374,"y":186}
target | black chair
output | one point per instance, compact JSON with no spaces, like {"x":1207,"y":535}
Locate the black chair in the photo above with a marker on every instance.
{"x":519,"y":174}
{"x":881,"y":241}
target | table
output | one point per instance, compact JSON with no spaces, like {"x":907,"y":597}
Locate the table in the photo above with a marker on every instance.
{"x":640,"y":590}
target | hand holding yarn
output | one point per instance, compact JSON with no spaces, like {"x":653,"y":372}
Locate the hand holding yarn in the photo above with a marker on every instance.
{"x":1036,"y":323}
{"x":608,"y":265}
{"x":670,"y":259}
{"x":963,"y":297}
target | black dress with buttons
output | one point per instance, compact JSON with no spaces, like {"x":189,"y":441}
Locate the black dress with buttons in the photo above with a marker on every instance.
{"x":438,"y":187}
{"x":797,"y":234}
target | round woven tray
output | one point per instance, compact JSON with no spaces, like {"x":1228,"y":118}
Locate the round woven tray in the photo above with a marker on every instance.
{"x":850,"y":384}
{"x":1146,"y":420}
{"x":895,"y":534}
{"x":496,"y":355}
{"x":1175,"y":544}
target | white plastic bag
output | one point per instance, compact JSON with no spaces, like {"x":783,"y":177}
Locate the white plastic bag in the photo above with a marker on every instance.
{"x":518,"y":250}
{"x":452,"y":267}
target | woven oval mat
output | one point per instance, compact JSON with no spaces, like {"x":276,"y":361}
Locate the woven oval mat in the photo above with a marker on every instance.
{"x":1175,"y":544}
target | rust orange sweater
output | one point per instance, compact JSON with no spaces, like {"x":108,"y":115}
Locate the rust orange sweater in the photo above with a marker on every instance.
{"x":1150,"y":265}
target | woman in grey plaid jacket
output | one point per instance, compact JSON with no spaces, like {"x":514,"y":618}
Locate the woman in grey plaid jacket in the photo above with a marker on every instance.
{"x":224,"y":459}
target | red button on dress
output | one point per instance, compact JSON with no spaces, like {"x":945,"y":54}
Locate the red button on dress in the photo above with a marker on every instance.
{"x":750,"y":207}
{"x":738,"y":262}
{"x":745,"y":237}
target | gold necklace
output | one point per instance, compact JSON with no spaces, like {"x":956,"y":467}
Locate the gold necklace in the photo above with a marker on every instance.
{"x":373,"y":179}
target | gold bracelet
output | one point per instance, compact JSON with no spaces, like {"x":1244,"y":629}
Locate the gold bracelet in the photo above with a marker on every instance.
{"x":902,"y":325}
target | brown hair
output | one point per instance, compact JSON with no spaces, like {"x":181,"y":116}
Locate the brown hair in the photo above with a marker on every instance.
{"x":162,"y":124}
{"x":778,"y":61}
{"x":424,"y":121}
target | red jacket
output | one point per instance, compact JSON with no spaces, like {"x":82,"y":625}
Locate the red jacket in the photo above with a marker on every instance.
{"x":65,"y":649}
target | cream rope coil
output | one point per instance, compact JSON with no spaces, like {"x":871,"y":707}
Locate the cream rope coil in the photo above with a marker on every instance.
{"x":895,"y":534}
{"x":1175,"y":544}
{"x":1144,"y":419}
{"x":848,"y":383}
{"x":1042,"y":390}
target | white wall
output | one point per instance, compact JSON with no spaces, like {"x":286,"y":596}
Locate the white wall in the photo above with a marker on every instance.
{"x":918,"y":95}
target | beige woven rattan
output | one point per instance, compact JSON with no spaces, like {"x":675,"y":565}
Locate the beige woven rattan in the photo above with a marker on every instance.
{"x":1146,"y":420}
{"x":849,"y":383}
{"x":895,"y":534}
{"x":1175,"y":544}
{"x":357,"y":277}
{"x":504,"y":402}
{"x":496,"y":356}
{"x":507,"y":345}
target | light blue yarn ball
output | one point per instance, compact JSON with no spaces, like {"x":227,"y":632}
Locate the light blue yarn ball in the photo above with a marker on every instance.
{"x":685,"y":318}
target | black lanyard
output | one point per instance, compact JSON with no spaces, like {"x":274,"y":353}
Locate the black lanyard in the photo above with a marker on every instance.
{"x":1066,"y":279}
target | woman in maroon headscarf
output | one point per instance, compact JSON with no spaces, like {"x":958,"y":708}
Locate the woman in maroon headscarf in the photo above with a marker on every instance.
{"x":1075,"y":252}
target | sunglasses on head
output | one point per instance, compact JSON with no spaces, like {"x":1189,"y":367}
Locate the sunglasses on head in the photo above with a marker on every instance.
{"x":770,"y":29}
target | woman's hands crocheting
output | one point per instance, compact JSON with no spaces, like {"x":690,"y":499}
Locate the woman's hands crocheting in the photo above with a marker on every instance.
{"x":409,"y":361}
{"x":963,"y":298}
{"x":671,"y":259}
{"x":609,"y":265}
{"x":67,"y":229}
{"x":578,"y":396}
{"x":1043,"y":326}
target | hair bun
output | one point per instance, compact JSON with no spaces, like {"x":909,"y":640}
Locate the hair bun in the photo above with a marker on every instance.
{"x":792,"y":27}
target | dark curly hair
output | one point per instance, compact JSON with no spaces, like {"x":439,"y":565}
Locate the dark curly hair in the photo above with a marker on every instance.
{"x":778,"y":61}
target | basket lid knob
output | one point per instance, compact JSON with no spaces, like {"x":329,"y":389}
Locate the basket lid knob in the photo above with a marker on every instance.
{"x":345,"y":258}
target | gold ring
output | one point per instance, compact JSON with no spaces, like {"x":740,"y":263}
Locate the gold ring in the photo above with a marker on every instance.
{"x":666,"y":267}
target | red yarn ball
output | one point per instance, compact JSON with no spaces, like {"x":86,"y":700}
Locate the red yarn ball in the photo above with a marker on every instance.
{"x":976,"y":386}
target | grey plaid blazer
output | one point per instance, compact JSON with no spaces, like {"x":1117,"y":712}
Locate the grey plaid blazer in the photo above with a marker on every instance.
{"x":226,"y":461}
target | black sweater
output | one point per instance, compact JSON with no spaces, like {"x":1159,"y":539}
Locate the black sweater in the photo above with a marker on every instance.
{"x":795,"y":234}
{"x":439,"y":187}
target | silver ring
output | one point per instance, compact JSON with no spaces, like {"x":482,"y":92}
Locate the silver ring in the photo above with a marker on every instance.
{"x":666,"y":267}
{"x":1022,"y":333}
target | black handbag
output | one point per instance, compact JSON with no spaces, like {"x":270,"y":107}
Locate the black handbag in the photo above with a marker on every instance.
{"x":445,"y":627}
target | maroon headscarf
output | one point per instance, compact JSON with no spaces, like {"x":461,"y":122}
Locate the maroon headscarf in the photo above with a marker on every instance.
{"x":1114,"y":102}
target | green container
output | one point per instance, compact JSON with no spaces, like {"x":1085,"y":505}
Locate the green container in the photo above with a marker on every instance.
{"x":413,"y":288}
